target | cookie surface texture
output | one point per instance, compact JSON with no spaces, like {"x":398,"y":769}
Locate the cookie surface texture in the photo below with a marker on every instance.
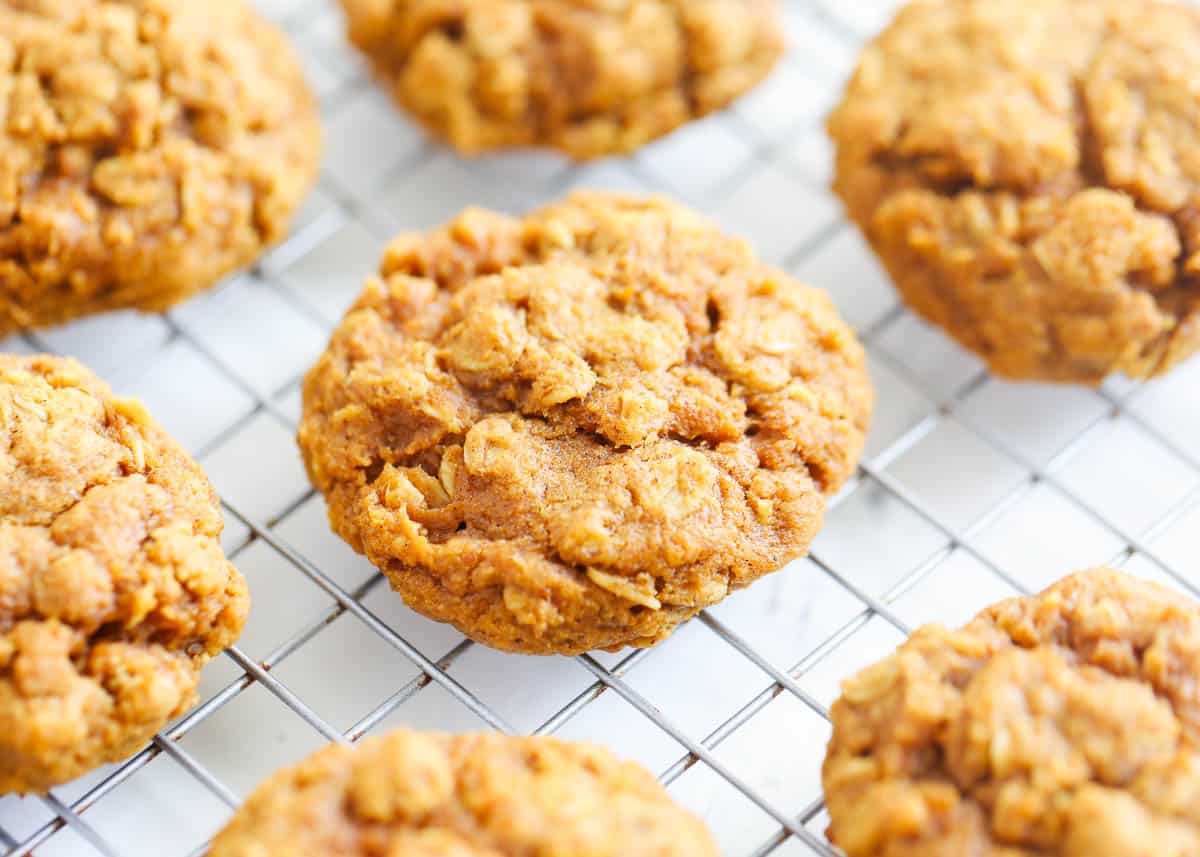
{"x":1029,"y":173}
{"x":575,"y":430}
{"x":486,"y":795}
{"x":147,"y":149}
{"x":114,"y":590}
{"x":1065,"y":724}
{"x":589,"y":78}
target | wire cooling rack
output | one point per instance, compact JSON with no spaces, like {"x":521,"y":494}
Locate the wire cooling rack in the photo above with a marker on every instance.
{"x":972,"y":489}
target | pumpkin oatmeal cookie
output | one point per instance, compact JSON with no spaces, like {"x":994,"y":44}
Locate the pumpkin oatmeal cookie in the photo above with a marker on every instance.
{"x":1029,"y":173}
{"x":589,"y":77}
{"x":114,"y":591}
{"x":485,"y":795}
{"x":1065,"y":724}
{"x":575,"y":430}
{"x":146,"y":150}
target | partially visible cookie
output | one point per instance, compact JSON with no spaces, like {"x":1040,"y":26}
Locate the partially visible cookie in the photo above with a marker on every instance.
{"x":146,"y":150}
{"x":411,"y":794}
{"x":577,"y":429}
{"x":114,"y":590}
{"x":1029,"y":173}
{"x":1065,"y":724}
{"x":590,"y":78}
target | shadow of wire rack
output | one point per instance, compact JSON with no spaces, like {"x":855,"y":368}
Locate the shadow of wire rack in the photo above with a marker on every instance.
{"x":972,"y":489}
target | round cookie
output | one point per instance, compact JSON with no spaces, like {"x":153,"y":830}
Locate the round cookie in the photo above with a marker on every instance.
{"x":576,"y":430}
{"x":149,"y":149}
{"x":1029,"y":173}
{"x":114,"y":590}
{"x":590,"y":78}
{"x":485,"y":795}
{"x":1065,"y":724}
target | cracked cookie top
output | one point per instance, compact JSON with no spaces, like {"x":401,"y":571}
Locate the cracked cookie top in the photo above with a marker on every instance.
{"x":1029,"y":172}
{"x":485,"y":795}
{"x":575,"y":430}
{"x":114,"y":590}
{"x":146,"y":149}
{"x":1065,"y":724}
{"x":589,"y":77}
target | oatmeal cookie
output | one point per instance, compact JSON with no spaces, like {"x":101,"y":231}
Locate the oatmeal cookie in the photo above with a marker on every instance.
{"x":114,"y":590}
{"x":575,"y":430}
{"x":588,"y":77}
{"x":1029,"y":173}
{"x":1065,"y":724}
{"x":146,"y":150}
{"x":487,"y":795}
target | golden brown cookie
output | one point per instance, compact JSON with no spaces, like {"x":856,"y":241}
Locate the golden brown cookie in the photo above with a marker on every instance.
{"x":1065,"y":724}
{"x":411,"y":794}
{"x":146,"y":150}
{"x":575,"y":430}
{"x":114,"y":590}
{"x":589,"y":77}
{"x":1029,"y":173}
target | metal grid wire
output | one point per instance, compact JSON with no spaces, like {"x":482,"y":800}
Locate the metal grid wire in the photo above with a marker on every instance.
{"x":962,"y":468}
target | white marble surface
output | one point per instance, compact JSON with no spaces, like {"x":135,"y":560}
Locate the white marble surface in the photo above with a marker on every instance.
{"x":760,"y":169}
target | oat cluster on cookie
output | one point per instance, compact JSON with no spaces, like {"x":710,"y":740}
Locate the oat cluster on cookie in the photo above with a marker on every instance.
{"x":1029,"y":173}
{"x":589,"y":77}
{"x":114,"y":590}
{"x":577,"y":429}
{"x":484,"y":795}
{"x":146,"y":150}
